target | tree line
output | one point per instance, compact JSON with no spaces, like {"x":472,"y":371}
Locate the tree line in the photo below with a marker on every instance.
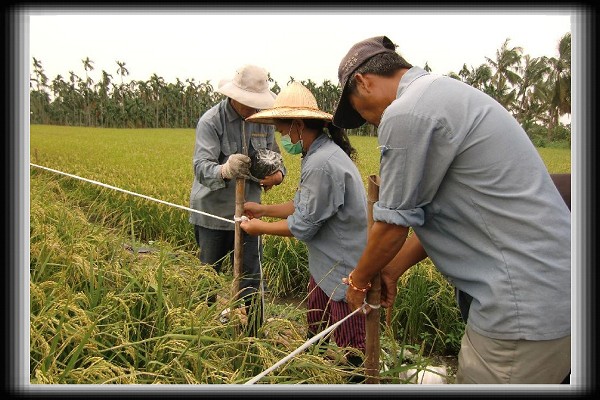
{"x":537,"y":91}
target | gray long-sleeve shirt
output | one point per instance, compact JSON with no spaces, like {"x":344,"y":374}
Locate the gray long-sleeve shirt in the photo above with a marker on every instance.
{"x":330,"y":215}
{"x":218,"y":135}
{"x":460,"y":170}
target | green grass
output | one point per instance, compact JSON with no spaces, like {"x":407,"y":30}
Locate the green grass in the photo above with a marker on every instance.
{"x":557,"y":160}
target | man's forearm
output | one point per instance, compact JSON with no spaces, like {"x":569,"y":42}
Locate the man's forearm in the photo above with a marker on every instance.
{"x":383,"y":244}
{"x":410,"y":254}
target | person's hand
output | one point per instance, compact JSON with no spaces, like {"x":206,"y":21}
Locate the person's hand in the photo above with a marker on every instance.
{"x":355,"y":297}
{"x":271,"y":180}
{"x":389,"y":288}
{"x":252,"y":226}
{"x":253,"y":210}
{"x":237,"y":166}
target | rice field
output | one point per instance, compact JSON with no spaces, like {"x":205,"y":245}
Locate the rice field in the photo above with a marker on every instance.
{"x":118,"y":296}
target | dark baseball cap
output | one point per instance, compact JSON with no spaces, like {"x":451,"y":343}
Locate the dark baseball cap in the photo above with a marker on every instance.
{"x":345,"y":116}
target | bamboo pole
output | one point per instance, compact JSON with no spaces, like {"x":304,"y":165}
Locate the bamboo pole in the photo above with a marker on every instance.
{"x":238,"y":243}
{"x":373,"y":297}
{"x":373,"y":197}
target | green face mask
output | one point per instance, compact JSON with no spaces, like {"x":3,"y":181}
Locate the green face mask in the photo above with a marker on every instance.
{"x":286,"y":142}
{"x":292,"y":148}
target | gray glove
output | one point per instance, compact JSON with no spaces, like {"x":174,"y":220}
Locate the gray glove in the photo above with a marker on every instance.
{"x":237,"y":166}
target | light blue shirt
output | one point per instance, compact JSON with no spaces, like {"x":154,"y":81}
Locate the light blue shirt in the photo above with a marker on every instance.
{"x":459,"y":169}
{"x":218,"y":135}
{"x":330,"y":215}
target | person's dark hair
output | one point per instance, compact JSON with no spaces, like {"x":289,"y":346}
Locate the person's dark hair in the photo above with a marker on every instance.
{"x":384,"y":64}
{"x":338,"y":135}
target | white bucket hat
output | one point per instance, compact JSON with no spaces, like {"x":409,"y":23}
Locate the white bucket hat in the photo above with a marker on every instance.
{"x":295,"y":101}
{"x":249,"y":86}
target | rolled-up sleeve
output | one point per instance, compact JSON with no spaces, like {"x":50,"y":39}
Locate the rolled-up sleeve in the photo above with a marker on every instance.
{"x":206,"y":155}
{"x":416,"y":152}
{"x":314,"y":202}
{"x":414,"y":217}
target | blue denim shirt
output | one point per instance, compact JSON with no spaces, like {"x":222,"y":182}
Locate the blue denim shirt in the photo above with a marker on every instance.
{"x":330,"y":215}
{"x":218,"y":135}
{"x":458,"y":168}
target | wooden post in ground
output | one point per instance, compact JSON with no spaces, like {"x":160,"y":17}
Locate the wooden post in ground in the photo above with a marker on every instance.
{"x":372,"y":346}
{"x":238,"y":243}
{"x":238,"y":249}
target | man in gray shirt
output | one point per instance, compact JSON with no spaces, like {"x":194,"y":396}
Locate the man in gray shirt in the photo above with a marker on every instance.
{"x":460,"y":170}
{"x":218,"y":160}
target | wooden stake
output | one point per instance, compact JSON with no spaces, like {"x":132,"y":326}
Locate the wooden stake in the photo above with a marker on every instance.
{"x":373,"y":297}
{"x":238,"y":243}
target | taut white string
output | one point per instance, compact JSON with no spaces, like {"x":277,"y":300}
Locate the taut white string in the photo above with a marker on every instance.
{"x":133,"y":193}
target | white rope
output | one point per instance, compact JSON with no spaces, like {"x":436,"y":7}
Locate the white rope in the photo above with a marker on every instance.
{"x":301,"y":348}
{"x":373,"y":306}
{"x":133,"y":193}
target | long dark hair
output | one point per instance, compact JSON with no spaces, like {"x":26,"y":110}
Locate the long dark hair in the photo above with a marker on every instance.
{"x":338,"y":135}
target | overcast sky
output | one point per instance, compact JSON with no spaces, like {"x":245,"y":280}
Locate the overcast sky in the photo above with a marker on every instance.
{"x":209,"y":44}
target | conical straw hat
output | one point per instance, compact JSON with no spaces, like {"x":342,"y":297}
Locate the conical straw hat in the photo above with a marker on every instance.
{"x":295,"y":101}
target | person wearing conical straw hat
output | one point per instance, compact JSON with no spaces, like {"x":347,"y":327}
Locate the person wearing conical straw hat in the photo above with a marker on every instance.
{"x":218,"y":160}
{"x":328,"y":212}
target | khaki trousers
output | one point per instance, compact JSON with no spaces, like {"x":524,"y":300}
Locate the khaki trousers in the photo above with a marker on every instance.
{"x":492,"y":361}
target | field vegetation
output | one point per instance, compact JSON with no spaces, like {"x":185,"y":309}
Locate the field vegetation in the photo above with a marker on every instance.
{"x":117,"y":294}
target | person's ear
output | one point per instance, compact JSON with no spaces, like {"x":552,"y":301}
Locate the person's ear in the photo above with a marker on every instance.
{"x":363,"y":82}
{"x":299,"y":124}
